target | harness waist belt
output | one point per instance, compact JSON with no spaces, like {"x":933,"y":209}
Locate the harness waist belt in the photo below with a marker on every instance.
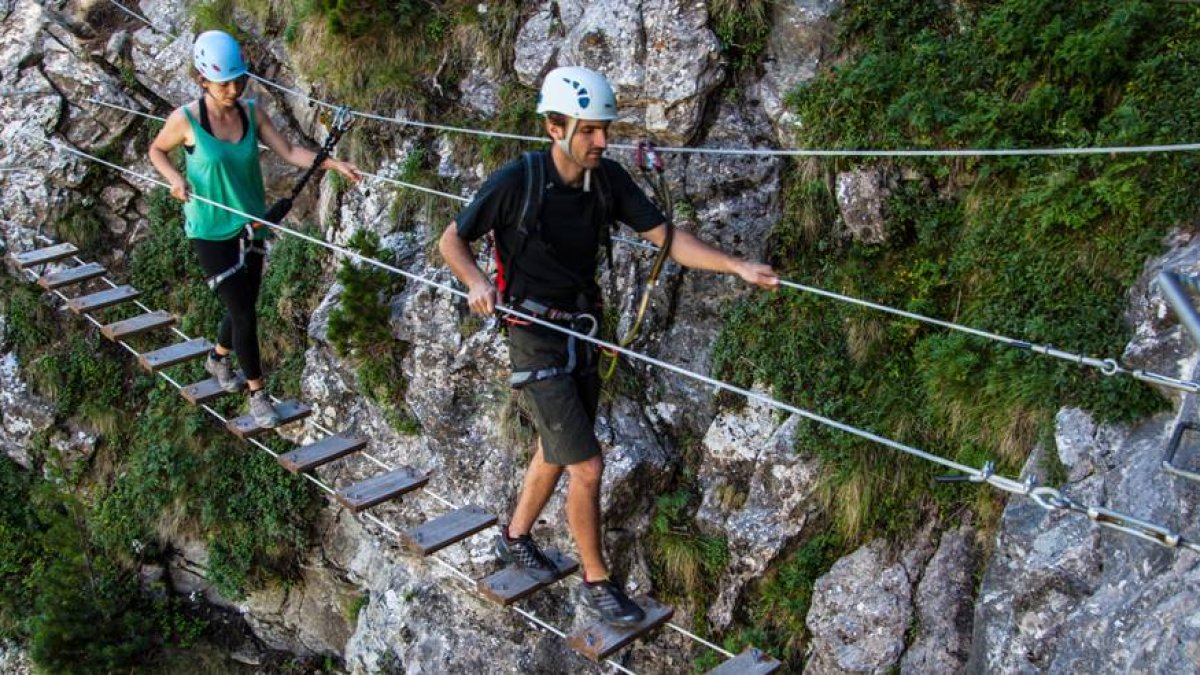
{"x":580,"y":322}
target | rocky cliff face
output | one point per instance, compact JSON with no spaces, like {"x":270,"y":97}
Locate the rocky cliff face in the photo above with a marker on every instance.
{"x":1057,"y":594}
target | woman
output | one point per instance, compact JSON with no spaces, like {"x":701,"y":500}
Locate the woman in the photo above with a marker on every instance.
{"x":220,"y":134}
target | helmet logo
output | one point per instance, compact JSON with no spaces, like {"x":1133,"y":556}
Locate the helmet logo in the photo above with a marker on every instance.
{"x":581,"y":92}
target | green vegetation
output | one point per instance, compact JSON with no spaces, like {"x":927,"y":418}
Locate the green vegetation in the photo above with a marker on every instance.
{"x":742,"y":26}
{"x":360,"y":330}
{"x":686,"y":564}
{"x":71,"y":544}
{"x":1037,"y":248}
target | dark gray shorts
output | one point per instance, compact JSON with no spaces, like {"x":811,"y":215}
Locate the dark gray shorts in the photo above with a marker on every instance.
{"x":563,"y":407}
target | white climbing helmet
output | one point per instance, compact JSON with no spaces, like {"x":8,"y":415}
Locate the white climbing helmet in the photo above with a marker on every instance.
{"x":218,"y":57}
{"x":577,"y":92}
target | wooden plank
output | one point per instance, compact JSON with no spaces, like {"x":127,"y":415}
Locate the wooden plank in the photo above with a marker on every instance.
{"x":113,"y":296}
{"x":514,"y":583}
{"x":368,"y":493}
{"x":322,"y":452}
{"x":206,"y":390}
{"x":44,"y":255}
{"x":289,"y":411}
{"x":753,"y":661}
{"x":177,"y":353}
{"x":143,"y":323}
{"x":71,"y":276}
{"x":600,"y":640}
{"x":444,"y":530}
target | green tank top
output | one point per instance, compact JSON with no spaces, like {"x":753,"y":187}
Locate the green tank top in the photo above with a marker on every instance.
{"x":227,"y":173}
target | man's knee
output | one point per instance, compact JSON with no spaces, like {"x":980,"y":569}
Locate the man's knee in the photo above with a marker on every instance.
{"x":588,"y":472}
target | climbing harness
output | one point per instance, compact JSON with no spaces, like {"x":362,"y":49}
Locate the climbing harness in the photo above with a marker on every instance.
{"x":341,"y":123}
{"x":650,"y":166}
{"x":579,"y":322}
{"x":248,"y":243}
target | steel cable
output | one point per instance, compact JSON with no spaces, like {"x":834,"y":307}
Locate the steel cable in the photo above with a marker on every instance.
{"x":742,"y":152}
{"x":1107,"y":366}
{"x":985,"y":475}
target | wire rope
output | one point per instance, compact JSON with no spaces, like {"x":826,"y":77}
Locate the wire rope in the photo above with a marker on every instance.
{"x":742,"y":152}
{"x":1107,"y":366}
{"x":1048,"y":498}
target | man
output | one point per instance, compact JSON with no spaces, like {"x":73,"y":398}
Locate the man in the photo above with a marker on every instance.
{"x":549,"y":269}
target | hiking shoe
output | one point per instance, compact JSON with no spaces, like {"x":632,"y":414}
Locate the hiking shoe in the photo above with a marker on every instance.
{"x":524,"y":553}
{"x":261,"y":409}
{"x":223,"y":372}
{"x":611,"y":603}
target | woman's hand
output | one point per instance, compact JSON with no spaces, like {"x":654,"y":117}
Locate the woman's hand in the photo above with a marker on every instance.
{"x":347,"y":169}
{"x":179,"y":188}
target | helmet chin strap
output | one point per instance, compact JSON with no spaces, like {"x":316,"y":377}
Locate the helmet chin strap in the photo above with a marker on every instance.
{"x":564,"y":144}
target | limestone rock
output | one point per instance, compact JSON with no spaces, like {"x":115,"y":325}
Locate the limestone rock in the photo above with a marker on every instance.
{"x":801,"y":35}
{"x":861,"y":196}
{"x":77,"y":78}
{"x":860,"y":612}
{"x":309,"y":617}
{"x":14,"y":660}
{"x":163,"y":62}
{"x":1160,"y":343}
{"x":757,"y":492}
{"x":1063,"y":595}
{"x":659,"y":56}
{"x":187,"y":570}
{"x":736,"y":205}
{"x":22,"y":414}
{"x":944,"y":603}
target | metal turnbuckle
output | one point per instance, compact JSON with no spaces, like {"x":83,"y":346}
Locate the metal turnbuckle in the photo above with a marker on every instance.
{"x":1134,"y":526}
{"x":1173,"y":382}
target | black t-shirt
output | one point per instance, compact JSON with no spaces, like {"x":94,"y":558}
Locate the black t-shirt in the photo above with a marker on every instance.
{"x":558,"y":263}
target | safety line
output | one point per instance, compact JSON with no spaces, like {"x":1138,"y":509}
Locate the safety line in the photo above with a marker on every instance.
{"x":1046,"y":497}
{"x":381,"y":178}
{"x":743,"y":152}
{"x":329,"y":490}
{"x":1107,"y":366}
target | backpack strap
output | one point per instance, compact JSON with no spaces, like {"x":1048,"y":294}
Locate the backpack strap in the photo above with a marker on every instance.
{"x":607,"y":222}
{"x":527,"y":221}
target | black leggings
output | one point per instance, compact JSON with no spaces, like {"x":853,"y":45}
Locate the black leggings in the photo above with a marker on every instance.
{"x":239,"y":293}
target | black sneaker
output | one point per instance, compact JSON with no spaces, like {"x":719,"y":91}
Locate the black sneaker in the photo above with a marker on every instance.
{"x":611,"y":603}
{"x":525,"y":554}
